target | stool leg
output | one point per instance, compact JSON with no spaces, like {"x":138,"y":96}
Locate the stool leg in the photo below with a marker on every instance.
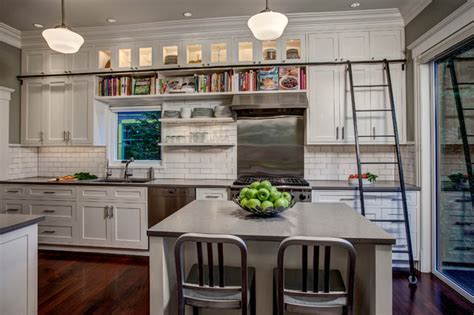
{"x":253,"y":299}
{"x":275,"y":306}
{"x":195,"y":310}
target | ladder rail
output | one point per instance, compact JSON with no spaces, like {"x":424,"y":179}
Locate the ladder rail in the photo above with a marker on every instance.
{"x":356,"y":137}
{"x":462,"y":127}
{"x":400,"y":168}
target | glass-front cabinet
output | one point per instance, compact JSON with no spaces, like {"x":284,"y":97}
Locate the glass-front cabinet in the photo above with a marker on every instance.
{"x":220,"y":52}
{"x":106,"y":58}
{"x":136,"y":56}
{"x":194,"y":53}
{"x":245,"y":50}
{"x":270,"y":51}
{"x":169,"y":54}
{"x":293,"y":48}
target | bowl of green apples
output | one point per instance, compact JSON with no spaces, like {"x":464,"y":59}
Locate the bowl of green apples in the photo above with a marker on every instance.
{"x":264,"y":200}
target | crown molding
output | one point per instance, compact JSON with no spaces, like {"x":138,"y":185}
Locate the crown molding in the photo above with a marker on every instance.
{"x":10,"y":35}
{"x":413,"y":9}
{"x":455,"y":22}
{"x":228,"y":26}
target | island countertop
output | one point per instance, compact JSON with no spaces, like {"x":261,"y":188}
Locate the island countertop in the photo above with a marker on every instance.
{"x":304,"y":219}
{"x":12,"y":222}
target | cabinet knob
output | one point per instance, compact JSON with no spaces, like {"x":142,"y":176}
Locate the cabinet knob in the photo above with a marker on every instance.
{"x":373,"y":58}
{"x":335,"y":59}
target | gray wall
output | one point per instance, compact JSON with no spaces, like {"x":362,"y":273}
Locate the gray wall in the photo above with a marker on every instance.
{"x":429,"y":17}
{"x":10,"y":66}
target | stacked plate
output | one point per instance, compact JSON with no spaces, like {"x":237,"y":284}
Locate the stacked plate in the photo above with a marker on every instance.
{"x":171,"y":60}
{"x":222,"y":111}
{"x":171,"y":114}
{"x":203,"y":113}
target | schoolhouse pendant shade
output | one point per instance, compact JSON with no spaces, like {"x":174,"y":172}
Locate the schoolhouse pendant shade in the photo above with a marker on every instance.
{"x":61,"y":38}
{"x":267,"y":25}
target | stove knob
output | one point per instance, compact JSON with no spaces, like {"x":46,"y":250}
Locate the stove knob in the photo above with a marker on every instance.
{"x":302,"y":197}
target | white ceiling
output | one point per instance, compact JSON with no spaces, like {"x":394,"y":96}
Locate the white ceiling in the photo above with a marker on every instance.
{"x":21,"y":14}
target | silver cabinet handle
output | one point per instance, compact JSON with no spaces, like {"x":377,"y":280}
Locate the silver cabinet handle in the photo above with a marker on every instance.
{"x":112,"y":208}
{"x":373,"y":133}
{"x":342,"y":131}
{"x":211,"y":197}
{"x":14,"y":210}
{"x":106,"y":212}
{"x":397,"y":199}
{"x":337,"y":133}
{"x":68,"y":136}
{"x":463,"y":223}
{"x":49,"y":211}
{"x":49,"y":232}
{"x":13,"y":191}
{"x":49,"y":192}
{"x":346,"y":199}
{"x":65,"y":135}
{"x":41,"y":136}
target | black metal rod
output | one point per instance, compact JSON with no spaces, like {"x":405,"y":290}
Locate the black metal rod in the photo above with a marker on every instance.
{"x":229,"y":67}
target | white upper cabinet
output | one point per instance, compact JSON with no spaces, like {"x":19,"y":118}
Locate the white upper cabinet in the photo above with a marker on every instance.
{"x":55,"y":111}
{"x":269,"y":51}
{"x":323,"y":47}
{"x":323,"y":125}
{"x":386,"y":44}
{"x":353,"y":46}
{"x":170,"y":54}
{"x":34,"y":61}
{"x":47,"y":61}
{"x":82,"y":61}
{"x":196,"y":53}
{"x":106,"y":58}
{"x":136,"y":56}
{"x":293,"y":48}
{"x":80,"y":111}
{"x":32,"y":100}
{"x":246,"y":50}
{"x":220,"y":51}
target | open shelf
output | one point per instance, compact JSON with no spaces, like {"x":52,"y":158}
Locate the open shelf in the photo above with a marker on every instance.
{"x":220,"y":120}
{"x":197,"y":144}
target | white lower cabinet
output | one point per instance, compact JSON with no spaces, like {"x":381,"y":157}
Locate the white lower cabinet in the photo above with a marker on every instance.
{"x":381,"y":206}
{"x":14,"y":207}
{"x":212,"y":194}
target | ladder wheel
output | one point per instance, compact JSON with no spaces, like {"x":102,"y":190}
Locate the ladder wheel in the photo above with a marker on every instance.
{"x":412,"y":279}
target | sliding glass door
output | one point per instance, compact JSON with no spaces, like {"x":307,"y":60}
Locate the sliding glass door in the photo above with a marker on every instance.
{"x":454,"y":81}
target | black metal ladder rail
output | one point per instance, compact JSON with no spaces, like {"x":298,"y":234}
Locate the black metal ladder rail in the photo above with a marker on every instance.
{"x":386,"y":67}
{"x":462,"y":125}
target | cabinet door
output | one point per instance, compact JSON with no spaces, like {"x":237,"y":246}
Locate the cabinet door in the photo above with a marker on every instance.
{"x":144,"y":56}
{"x":323,"y":112}
{"x":106,"y":58}
{"x":353,"y":46}
{"x":34,"y":62}
{"x":323,"y":47}
{"x":170,"y":54}
{"x":55,"y":118}
{"x":220,"y":52}
{"x":195,"y":53}
{"x":386,"y":45}
{"x":57,"y":62}
{"x":80,"y":111}
{"x":129,"y":225}
{"x":32,"y":104}
{"x":293,"y":48}
{"x":381,"y":122}
{"x":360,"y":74}
{"x":270,"y":51}
{"x":82,"y":60}
{"x":125,"y":57}
{"x":14,"y":207}
{"x":93,"y":222}
{"x":245,"y":50}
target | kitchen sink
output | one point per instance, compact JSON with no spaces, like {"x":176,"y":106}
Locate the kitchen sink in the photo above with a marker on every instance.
{"x":121,"y":180}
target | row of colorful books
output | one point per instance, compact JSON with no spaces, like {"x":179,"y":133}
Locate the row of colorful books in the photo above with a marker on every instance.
{"x":122,"y":86}
{"x":199,"y":83}
{"x":271,"y":78}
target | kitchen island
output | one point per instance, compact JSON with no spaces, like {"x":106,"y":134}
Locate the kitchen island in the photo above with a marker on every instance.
{"x":373,"y":292}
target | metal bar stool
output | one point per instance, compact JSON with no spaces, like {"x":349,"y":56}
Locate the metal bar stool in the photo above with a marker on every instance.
{"x":312,"y":291}
{"x":216,"y":287}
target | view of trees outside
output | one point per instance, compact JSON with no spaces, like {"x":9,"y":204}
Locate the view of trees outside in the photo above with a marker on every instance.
{"x":139,"y":135}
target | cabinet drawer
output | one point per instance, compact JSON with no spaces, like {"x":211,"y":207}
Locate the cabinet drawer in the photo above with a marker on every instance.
{"x":94,"y":192}
{"x":54,"y":211}
{"x":14,"y":207}
{"x":48,"y":233}
{"x":351,"y":198}
{"x":52,"y":192}
{"x":395,"y":200}
{"x":212,"y":194}
{"x":128,"y":194}
{"x":13,"y":191}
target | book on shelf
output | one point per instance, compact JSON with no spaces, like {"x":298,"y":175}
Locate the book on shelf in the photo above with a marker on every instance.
{"x":198,"y":83}
{"x":125,"y":85}
{"x":271,"y":79}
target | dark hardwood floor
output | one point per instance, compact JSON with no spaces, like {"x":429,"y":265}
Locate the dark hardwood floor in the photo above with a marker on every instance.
{"x":76,"y":283}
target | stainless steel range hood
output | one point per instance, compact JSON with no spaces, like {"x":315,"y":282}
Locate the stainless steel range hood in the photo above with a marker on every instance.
{"x":270,"y":101}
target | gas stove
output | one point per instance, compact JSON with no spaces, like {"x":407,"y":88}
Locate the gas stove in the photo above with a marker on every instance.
{"x":298,"y":186}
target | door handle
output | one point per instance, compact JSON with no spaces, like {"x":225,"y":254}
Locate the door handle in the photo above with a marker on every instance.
{"x":342,"y":132}
{"x":211,"y":197}
{"x":41,"y":136}
{"x":373,"y":133}
{"x":112,"y":211}
{"x":49,"y":231}
{"x":14,"y":210}
{"x":337,"y":133}
{"x":49,"y":192}
{"x":106,"y":212}
{"x":49,"y":211}
{"x":65,"y":135}
{"x":13,"y":191}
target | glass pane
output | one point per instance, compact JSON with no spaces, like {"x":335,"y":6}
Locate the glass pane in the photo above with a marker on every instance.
{"x":219,"y":53}
{"x":455,"y":197}
{"x":194,"y":54}
{"x":145,"y":57}
{"x":139,"y":135}
{"x":293,"y":49}
{"x":170,"y":55}
{"x":245,"y":51}
{"x":269,"y":50}
{"x":125,"y":57}
{"x":105,"y":59}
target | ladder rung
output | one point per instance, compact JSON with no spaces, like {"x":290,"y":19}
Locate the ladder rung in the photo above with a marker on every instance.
{"x":372,"y":110}
{"x":465,"y":83}
{"x":468,"y":108}
{"x":378,"y":163}
{"x":370,"y":86}
{"x":396,"y":251}
{"x":389,"y":221}
{"x":378,"y":136}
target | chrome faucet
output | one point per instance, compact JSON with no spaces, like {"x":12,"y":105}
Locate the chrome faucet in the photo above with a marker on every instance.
{"x":108,"y":170}
{"x":128,"y":173}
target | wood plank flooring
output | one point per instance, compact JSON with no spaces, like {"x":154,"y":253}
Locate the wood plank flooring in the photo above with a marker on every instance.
{"x":76,"y":283}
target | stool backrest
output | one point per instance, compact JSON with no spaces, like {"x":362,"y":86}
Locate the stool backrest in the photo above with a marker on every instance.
{"x":216,"y":285}
{"x":317,"y":243}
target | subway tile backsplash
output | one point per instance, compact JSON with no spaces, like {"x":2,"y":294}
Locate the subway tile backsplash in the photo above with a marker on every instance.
{"x":23,"y":162}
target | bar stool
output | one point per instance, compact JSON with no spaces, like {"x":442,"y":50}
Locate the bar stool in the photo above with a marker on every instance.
{"x":216,"y":287}
{"x":312,"y":291}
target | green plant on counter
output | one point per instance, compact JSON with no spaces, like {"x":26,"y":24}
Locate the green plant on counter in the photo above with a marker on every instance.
{"x":84,"y":176}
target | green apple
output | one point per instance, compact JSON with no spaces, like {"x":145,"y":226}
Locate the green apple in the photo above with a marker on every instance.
{"x":274,"y":195}
{"x":273,"y":189}
{"x":287,"y":196}
{"x":244,"y":202}
{"x":281,"y":202}
{"x":251,"y":193}
{"x":243,"y":191}
{"x":267,"y":204}
{"x":255,"y":185}
{"x":253,"y":203}
{"x":266,"y":184}
{"x":263,"y":194}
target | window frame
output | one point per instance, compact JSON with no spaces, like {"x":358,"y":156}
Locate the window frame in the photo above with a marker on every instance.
{"x":112,"y":143}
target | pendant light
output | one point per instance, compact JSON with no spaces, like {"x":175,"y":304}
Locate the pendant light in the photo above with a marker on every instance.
{"x":61,"y":38}
{"x":267,"y":25}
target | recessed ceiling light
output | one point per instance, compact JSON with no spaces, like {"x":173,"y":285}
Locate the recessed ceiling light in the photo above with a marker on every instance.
{"x":187,"y":14}
{"x":355,"y":5}
{"x":37,"y":25}
{"x":110,"y":20}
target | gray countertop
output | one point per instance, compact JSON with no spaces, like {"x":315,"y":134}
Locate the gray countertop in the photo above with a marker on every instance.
{"x":304,"y":219}
{"x":216,"y":183}
{"x":12,"y":222}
